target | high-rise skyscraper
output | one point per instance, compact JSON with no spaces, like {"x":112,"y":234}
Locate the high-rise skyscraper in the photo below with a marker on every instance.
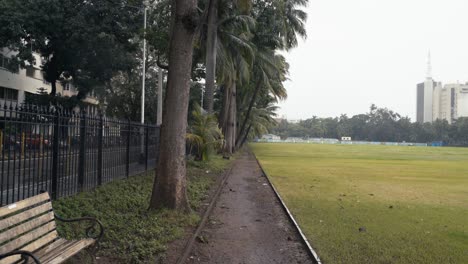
{"x":434,"y":101}
{"x":424,"y":96}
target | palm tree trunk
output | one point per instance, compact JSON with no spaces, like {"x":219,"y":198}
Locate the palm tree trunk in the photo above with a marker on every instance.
{"x":169,"y":189}
{"x":159,"y":97}
{"x":230,"y":133}
{"x":233,"y":112}
{"x":211,"y":54}
{"x":247,"y":115}
{"x":246,"y":135}
{"x":223,"y":117}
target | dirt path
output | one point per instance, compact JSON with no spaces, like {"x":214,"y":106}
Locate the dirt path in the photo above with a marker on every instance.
{"x":248,"y":224}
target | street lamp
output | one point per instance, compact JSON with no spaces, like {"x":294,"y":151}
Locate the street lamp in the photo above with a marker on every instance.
{"x":144,"y":70}
{"x":143,"y":80}
{"x":144,"y":62}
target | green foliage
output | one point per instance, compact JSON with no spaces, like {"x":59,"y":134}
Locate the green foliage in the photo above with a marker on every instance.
{"x":204,"y":134}
{"x":123,"y":95}
{"x":410,"y":200}
{"x":82,"y":41}
{"x":132,"y":233}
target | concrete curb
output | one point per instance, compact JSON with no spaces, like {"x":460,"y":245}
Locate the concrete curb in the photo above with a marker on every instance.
{"x":304,"y":240}
{"x":189,"y":245}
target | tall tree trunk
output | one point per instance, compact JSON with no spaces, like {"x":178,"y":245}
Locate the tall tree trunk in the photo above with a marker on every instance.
{"x":211,"y":55}
{"x":234,"y":117}
{"x":223,"y":116}
{"x":246,"y":135}
{"x":169,"y":189}
{"x":230,"y":134}
{"x":247,"y":115}
{"x":159,"y":97}
{"x":53,"y":90}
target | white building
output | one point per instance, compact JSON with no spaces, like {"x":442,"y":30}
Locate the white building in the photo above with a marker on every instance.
{"x":436,"y":101}
{"x":16,"y":83}
{"x":424,"y":96}
{"x":450,"y":102}
{"x":270,"y":137}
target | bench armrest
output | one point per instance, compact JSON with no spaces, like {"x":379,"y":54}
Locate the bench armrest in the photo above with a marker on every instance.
{"x":24,"y":255}
{"x":91,"y":231}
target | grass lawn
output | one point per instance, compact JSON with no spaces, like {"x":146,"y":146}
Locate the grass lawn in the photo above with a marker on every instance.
{"x":132,"y":233}
{"x":411,"y":203}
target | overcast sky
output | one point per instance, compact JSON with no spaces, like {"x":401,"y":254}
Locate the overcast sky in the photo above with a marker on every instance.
{"x":360,"y":52}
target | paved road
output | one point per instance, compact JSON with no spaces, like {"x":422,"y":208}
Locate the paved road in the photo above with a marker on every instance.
{"x":248,"y":224}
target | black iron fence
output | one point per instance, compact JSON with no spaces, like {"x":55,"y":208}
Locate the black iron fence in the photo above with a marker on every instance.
{"x":65,"y":152}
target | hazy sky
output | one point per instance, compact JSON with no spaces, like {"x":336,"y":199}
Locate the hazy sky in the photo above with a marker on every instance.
{"x":360,"y":52}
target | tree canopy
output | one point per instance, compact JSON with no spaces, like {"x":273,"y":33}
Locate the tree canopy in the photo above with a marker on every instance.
{"x":84,"y":41}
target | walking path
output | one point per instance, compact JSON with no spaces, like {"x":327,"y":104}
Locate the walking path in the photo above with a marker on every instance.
{"x":248,"y":225}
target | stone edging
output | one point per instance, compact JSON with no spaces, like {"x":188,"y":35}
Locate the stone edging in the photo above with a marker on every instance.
{"x":189,"y":245}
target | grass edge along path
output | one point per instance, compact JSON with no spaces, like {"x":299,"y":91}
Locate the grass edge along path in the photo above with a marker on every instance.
{"x":375,"y":204}
{"x":132,"y":233}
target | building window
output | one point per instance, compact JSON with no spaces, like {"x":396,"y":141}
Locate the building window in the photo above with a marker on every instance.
{"x":8,"y":94}
{"x":11,"y":94}
{"x":66,"y":87}
{"x":5,"y":63}
{"x":30,"y":72}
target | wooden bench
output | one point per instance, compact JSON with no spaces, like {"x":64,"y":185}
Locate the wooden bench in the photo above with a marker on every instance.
{"x":28,"y":233}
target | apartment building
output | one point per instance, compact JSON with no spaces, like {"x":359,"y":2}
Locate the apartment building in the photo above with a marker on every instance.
{"x":16,"y":83}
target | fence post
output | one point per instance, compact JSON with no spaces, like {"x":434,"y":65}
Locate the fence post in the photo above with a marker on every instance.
{"x":100,"y":137}
{"x":55,"y":150}
{"x":82,"y":154}
{"x":146,"y":146}
{"x":128,"y":150}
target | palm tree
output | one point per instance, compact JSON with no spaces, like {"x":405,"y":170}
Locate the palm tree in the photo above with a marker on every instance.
{"x":261,"y":119}
{"x":216,"y":16}
{"x":270,"y":72}
{"x":270,"y":68}
{"x":235,"y":58}
{"x":204,"y":134}
{"x":292,"y":22}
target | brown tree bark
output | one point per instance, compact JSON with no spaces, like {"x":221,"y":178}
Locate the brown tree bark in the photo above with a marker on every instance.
{"x":230,"y":133}
{"x":233,"y":112}
{"x":169,"y":189}
{"x":211,"y":55}
{"x":245,"y":136}
{"x":223,"y":115}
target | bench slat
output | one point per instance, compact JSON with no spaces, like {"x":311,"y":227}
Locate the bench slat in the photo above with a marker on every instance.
{"x":15,"y":207}
{"x":66,"y":251}
{"x":27,"y":238}
{"x":32,"y":247}
{"x":45,"y":250}
{"x":25,"y":227}
{"x":18,"y":218}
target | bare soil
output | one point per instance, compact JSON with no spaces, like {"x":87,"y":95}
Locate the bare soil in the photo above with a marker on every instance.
{"x":248,"y":225}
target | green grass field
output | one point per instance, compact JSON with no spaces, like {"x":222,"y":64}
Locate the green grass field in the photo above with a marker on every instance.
{"x":411,"y":203}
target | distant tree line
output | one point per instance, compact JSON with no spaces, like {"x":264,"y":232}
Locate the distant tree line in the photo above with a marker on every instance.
{"x":380,"y":124}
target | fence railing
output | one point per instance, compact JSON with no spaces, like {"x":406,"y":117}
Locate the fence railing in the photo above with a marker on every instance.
{"x":65,"y":152}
